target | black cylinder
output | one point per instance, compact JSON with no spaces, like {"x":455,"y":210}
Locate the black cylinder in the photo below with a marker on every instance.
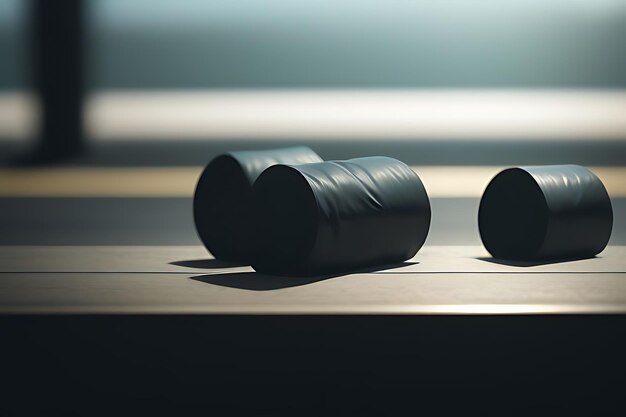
{"x":222,"y":203}
{"x":548,"y":212}
{"x":339,"y":216}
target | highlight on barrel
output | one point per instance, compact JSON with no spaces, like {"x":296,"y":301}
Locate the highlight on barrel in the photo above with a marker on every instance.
{"x":551,"y":212}
{"x":339,"y":216}
{"x":222,"y":202}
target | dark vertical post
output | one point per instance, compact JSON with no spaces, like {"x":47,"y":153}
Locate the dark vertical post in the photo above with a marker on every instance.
{"x":57,"y":30}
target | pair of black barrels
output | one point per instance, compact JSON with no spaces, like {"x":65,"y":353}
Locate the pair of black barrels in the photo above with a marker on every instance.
{"x":287,"y":212}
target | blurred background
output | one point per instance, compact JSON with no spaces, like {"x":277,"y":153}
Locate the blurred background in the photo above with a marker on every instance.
{"x":109,"y":109}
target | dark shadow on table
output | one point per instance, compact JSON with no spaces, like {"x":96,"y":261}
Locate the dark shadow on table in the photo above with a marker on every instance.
{"x":531,"y":263}
{"x":207,"y":263}
{"x":255,"y":281}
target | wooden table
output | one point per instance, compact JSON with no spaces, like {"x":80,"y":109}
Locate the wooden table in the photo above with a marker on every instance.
{"x":152,"y":328}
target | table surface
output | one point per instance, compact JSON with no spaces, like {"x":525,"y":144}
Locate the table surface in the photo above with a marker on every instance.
{"x":186,"y":280}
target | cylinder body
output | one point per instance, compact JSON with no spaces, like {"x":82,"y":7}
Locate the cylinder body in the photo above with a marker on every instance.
{"x":545,"y":213}
{"x":222,"y":204}
{"x":339,"y":216}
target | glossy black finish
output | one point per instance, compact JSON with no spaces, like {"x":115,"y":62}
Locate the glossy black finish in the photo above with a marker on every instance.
{"x":222,"y":204}
{"x":545,"y":213}
{"x":339,"y":216}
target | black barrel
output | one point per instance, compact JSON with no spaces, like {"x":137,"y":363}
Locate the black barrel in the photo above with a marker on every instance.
{"x":222,"y":203}
{"x":339,"y":216}
{"x":545,"y":213}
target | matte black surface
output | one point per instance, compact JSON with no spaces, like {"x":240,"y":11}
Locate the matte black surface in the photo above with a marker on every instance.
{"x":338,"y":216}
{"x":222,"y":205}
{"x":257,"y":365}
{"x":545,"y":213}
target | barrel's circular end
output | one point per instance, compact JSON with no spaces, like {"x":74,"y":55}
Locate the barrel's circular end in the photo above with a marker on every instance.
{"x":513,"y":216}
{"x":286,"y":219}
{"x":222,"y":210}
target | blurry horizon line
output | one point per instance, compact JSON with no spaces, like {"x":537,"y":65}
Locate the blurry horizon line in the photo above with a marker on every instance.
{"x":169,"y":182}
{"x":328,"y":114}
